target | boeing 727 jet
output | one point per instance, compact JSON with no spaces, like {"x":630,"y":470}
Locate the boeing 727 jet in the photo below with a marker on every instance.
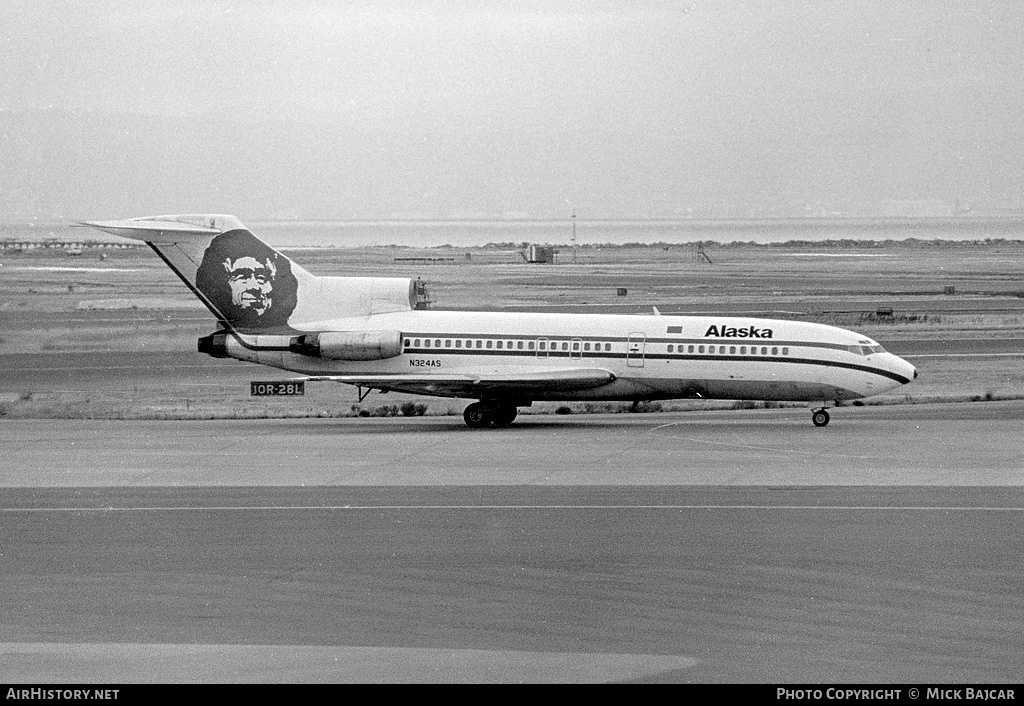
{"x":366,"y":331}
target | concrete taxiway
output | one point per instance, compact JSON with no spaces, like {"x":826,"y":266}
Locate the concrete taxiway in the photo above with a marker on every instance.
{"x":950,"y":444}
{"x":693,"y":547}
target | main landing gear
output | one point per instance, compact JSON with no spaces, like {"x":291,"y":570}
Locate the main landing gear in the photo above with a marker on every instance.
{"x":819,"y":417}
{"x":479,"y":415}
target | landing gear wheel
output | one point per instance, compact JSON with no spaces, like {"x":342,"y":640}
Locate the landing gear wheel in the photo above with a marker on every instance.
{"x":505,"y":416}
{"x":820,"y":418}
{"x":476,"y":416}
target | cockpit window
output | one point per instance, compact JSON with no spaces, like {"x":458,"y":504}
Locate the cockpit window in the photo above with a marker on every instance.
{"x":865,"y":348}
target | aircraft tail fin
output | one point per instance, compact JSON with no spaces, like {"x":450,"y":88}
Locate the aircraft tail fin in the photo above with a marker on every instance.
{"x":250,"y":286}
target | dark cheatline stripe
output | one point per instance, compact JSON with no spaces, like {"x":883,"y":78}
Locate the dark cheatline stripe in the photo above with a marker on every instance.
{"x":853,"y":366}
{"x":589,"y":355}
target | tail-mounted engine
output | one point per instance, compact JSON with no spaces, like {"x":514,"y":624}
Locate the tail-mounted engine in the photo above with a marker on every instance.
{"x":216,"y":345}
{"x":348,"y":345}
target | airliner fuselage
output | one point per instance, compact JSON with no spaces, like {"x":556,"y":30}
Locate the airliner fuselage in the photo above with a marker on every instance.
{"x":366,"y":331}
{"x":650,"y":357}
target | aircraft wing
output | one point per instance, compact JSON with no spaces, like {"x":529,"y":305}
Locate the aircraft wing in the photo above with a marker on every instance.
{"x":480,"y":384}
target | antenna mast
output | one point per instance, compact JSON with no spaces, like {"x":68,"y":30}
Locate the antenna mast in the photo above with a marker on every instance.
{"x":574,"y":236}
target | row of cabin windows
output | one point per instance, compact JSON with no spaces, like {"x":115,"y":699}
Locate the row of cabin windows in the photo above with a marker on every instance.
{"x":732,"y":349}
{"x":507,"y":345}
{"x":544,"y":345}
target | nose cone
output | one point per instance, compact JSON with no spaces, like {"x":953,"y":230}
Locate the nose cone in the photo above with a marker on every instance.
{"x":904,"y":369}
{"x":894,"y":372}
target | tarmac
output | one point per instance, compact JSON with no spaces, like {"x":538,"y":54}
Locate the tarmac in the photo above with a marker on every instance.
{"x":730,"y":546}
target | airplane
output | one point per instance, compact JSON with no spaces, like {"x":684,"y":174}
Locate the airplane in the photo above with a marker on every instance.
{"x":367,"y":332}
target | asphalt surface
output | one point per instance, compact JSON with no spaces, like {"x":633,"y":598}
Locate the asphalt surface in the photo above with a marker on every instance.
{"x":697,"y":547}
{"x":692,"y":584}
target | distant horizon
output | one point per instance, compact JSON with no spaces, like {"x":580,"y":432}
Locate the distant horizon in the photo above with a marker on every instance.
{"x":561,"y":233}
{"x":960,"y":217}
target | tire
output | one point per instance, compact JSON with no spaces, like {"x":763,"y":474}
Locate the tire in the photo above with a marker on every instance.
{"x":505,"y":416}
{"x":820,"y":418}
{"x":476,"y":416}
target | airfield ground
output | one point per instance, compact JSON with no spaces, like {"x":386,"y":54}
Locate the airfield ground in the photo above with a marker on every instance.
{"x":111,"y":333}
{"x":725,"y":546}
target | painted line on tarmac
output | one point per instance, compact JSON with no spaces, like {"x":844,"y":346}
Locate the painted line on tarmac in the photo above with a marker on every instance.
{"x":1013,"y":355}
{"x":319,"y":508}
{"x":64,"y":369}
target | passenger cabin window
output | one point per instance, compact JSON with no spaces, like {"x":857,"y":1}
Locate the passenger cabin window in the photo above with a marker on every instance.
{"x":785,"y":351}
{"x":490,"y":343}
{"x":500,"y":344}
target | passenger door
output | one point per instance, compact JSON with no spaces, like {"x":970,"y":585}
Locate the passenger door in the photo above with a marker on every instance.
{"x":635,"y":345}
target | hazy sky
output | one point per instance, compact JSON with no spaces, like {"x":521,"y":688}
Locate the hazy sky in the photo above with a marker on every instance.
{"x":617,"y":109}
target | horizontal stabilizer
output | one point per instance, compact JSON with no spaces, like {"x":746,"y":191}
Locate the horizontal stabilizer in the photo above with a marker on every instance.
{"x":167,"y":229}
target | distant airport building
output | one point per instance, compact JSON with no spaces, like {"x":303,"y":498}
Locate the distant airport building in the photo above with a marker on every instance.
{"x":540,"y":253}
{"x":71,"y":247}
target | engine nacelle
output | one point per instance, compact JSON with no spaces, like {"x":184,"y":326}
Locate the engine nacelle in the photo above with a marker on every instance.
{"x":340,"y":297}
{"x":216,"y":345}
{"x":348,"y":345}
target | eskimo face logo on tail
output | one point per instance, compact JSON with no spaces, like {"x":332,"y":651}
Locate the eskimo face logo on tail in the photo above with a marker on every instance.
{"x":248,"y":282}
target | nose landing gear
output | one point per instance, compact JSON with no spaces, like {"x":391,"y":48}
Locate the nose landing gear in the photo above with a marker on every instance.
{"x":819,"y":417}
